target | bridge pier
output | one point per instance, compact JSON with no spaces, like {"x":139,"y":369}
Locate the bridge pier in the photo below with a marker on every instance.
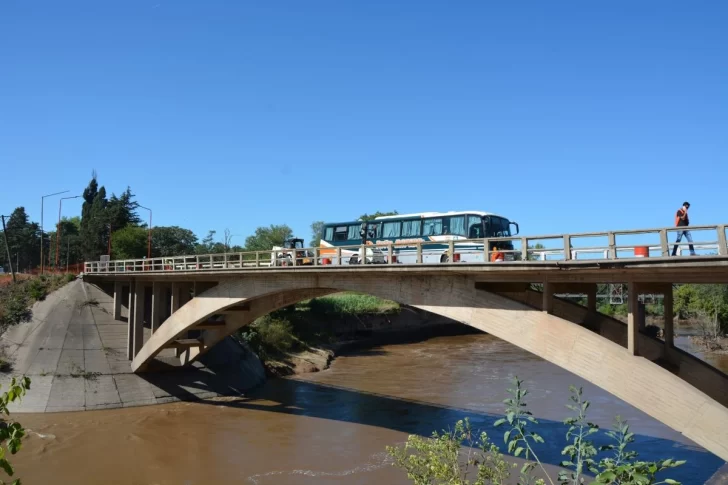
{"x":118,"y":295}
{"x":130,"y":323}
{"x":184,"y":297}
{"x":635,"y":318}
{"x":138,"y":320}
{"x":591,"y":299}
{"x":548,"y":297}
{"x":174,"y":302}
{"x":669,"y":336}
{"x":157,"y":304}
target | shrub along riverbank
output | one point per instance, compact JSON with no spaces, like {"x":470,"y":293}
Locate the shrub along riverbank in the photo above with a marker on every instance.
{"x":309,"y":325}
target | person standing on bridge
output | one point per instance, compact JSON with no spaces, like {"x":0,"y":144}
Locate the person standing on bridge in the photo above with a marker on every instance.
{"x":682,"y":220}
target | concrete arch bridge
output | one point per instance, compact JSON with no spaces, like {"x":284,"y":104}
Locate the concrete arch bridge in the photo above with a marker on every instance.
{"x":193,"y":309}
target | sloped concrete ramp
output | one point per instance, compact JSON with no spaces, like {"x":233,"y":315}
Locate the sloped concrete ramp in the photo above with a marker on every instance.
{"x":75,"y":354}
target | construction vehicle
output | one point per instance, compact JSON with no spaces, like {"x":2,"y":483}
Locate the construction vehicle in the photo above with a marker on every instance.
{"x":283,"y":255}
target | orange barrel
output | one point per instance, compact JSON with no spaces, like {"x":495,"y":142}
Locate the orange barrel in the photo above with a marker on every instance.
{"x":641,"y":252}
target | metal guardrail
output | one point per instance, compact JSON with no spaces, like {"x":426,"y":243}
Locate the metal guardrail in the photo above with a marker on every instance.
{"x":473,"y":251}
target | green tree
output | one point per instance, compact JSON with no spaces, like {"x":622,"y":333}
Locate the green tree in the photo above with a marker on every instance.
{"x":317,"y":229}
{"x":267,"y":237}
{"x":369,"y":217}
{"x":94,"y":227}
{"x":23,"y":240}
{"x":172,"y":241}
{"x":209,"y":245}
{"x":121,"y":211}
{"x":129,"y":243}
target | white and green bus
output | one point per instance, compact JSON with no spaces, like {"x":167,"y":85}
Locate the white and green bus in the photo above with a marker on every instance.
{"x":425,"y":227}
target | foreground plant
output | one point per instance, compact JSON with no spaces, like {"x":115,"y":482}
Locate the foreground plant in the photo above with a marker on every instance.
{"x":11,"y":433}
{"x":450,"y":457}
{"x":438,"y":459}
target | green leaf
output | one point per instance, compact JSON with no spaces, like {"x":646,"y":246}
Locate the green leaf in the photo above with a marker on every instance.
{"x":671,"y":481}
{"x":507,"y":435}
{"x":499,"y":422}
{"x":5,"y":465}
{"x":519,"y":450}
{"x":510,"y":416}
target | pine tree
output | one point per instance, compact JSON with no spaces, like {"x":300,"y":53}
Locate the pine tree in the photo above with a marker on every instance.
{"x":94,"y":227}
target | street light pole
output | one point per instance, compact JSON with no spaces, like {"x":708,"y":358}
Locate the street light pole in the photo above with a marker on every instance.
{"x":149,"y":239}
{"x":41,"y":226}
{"x":58,"y":230}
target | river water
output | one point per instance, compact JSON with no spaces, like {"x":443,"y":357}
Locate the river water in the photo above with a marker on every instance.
{"x":330,"y":427}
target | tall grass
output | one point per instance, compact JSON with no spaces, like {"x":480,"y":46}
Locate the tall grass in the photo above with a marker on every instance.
{"x":352,"y":304}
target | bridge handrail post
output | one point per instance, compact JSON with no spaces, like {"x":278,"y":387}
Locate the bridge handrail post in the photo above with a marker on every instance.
{"x":451,"y":250}
{"x":257,"y":259}
{"x":722,"y":244}
{"x":567,"y":247}
{"x":316,"y":254}
{"x":486,"y":250}
{"x":664,"y":248}
{"x":612,"y":245}
{"x":293,"y":257}
{"x":390,"y":253}
{"x":338,"y":256}
{"x":419,"y":253}
{"x":363,"y":254}
{"x":524,"y":249}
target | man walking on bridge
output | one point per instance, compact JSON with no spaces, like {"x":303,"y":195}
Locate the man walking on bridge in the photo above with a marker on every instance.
{"x":682,"y":220}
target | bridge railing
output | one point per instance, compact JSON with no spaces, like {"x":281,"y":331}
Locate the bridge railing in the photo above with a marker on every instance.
{"x":610,"y":245}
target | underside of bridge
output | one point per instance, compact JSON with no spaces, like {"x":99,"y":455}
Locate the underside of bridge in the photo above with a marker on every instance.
{"x":655,"y":377}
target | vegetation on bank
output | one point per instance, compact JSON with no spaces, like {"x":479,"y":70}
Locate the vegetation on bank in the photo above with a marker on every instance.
{"x":462,"y":457}
{"x":309,"y":323}
{"x":17,"y":298}
{"x":11,"y":433}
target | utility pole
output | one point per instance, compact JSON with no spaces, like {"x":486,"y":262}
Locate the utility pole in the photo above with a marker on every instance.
{"x":7,"y":248}
{"x":68,"y":251}
{"x":41,"y":227}
{"x":149,"y":239}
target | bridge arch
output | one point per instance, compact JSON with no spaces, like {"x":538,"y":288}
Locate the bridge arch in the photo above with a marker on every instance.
{"x":606,"y":364}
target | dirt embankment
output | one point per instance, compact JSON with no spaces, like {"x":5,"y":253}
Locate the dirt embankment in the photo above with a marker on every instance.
{"x":359,"y":332}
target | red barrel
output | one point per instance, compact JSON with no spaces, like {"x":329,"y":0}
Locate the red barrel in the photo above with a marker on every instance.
{"x":641,"y":252}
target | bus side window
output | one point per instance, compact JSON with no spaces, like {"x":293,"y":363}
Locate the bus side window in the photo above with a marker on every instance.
{"x":475,"y":225}
{"x":329,"y":234}
{"x":341,"y":233}
{"x":354,"y":233}
{"x":457,"y":225}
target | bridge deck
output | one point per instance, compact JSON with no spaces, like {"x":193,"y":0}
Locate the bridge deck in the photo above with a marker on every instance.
{"x":697,"y":269}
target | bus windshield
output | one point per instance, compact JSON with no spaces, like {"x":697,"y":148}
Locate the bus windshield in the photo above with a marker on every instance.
{"x":497,"y":226}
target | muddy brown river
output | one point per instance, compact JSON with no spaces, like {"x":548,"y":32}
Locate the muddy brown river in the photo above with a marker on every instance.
{"x":331,"y":427}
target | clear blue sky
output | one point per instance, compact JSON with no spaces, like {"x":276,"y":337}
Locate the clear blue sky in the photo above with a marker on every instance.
{"x":564,"y":116}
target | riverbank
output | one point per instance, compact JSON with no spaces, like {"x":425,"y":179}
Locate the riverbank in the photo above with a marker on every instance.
{"x":316,"y":359}
{"x":308,"y":336}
